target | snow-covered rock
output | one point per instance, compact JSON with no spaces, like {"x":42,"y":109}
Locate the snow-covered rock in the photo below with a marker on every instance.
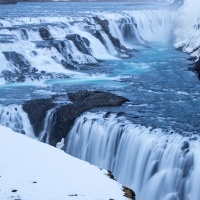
{"x":30,"y":170}
{"x":187,"y":31}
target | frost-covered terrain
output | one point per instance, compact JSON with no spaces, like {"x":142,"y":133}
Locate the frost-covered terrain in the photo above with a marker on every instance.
{"x":48,"y":173}
{"x":187,"y":32}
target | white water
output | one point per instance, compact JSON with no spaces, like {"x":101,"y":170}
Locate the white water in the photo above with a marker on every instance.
{"x":48,"y":123}
{"x":14,"y":117}
{"x":153,"y":163}
{"x":145,"y":25}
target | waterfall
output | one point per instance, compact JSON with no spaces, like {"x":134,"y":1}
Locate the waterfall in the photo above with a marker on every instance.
{"x":14,"y":117}
{"x":48,"y":124}
{"x":39,"y":47}
{"x":156,"y":164}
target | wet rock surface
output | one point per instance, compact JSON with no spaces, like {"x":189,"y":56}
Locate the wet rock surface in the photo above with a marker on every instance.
{"x":65,"y":115}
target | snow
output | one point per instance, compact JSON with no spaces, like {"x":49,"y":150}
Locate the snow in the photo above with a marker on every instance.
{"x":187,"y":31}
{"x":41,"y":172}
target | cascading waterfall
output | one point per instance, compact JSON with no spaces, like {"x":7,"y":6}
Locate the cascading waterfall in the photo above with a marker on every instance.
{"x":156,"y":164}
{"x":48,"y":123}
{"x":14,"y":117}
{"x":44,"y":45}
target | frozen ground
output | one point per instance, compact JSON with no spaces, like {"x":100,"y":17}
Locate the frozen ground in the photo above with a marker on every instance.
{"x":30,"y":170}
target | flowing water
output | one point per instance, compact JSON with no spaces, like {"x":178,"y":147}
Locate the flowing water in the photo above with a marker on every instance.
{"x":150,"y":143}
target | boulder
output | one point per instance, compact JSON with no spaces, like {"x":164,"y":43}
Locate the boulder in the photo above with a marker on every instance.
{"x":44,"y":33}
{"x":81,"y":43}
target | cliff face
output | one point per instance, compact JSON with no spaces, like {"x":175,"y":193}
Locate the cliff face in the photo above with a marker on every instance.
{"x":8,"y":2}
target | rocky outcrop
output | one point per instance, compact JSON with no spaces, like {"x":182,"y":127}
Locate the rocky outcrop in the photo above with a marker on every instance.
{"x":81,"y":43}
{"x":130,"y":194}
{"x":65,"y":115}
{"x":22,"y":67}
{"x":36,"y":110}
{"x":115,"y":41}
{"x":44,"y":33}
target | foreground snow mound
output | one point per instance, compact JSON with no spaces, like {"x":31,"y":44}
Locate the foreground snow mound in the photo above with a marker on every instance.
{"x":187,"y":32}
{"x":30,"y":170}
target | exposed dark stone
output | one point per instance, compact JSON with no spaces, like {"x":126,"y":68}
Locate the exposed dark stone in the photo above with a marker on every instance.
{"x":22,"y":67}
{"x":24,"y":34}
{"x":65,"y":115}
{"x":185,"y":146}
{"x":17,"y":60}
{"x":44,"y":33}
{"x":116,"y":42}
{"x":98,"y":35}
{"x":61,"y":48}
{"x":83,"y":101}
{"x":36,"y":110}
{"x":68,"y":65}
{"x":96,"y":98}
{"x":81,"y":43}
{"x":129,"y":193}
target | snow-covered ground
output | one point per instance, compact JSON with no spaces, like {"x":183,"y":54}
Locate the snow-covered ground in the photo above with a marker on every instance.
{"x":187,"y":31}
{"x":30,"y":170}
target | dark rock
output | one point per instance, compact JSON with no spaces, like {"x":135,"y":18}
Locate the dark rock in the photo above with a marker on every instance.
{"x":68,"y":65}
{"x":17,"y":60}
{"x":98,"y":35}
{"x":116,"y":42}
{"x":24,"y":34}
{"x":96,"y":98}
{"x":36,"y":110}
{"x":65,"y":115}
{"x":22,"y":67}
{"x":129,"y":193}
{"x":81,"y":43}
{"x":61,"y":48}
{"x":44,"y":33}
{"x":83,"y":101}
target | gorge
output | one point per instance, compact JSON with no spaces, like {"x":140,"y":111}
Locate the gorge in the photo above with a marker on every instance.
{"x":116,"y":81}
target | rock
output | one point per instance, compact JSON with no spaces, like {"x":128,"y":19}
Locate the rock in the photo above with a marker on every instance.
{"x":44,"y":33}
{"x":96,"y":98}
{"x":81,"y":43}
{"x":116,"y":42}
{"x":127,"y":191}
{"x":65,"y":115}
{"x":36,"y":110}
{"x":17,"y":60}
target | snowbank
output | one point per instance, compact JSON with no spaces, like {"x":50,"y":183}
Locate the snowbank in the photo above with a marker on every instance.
{"x":30,"y":170}
{"x":187,"y":31}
